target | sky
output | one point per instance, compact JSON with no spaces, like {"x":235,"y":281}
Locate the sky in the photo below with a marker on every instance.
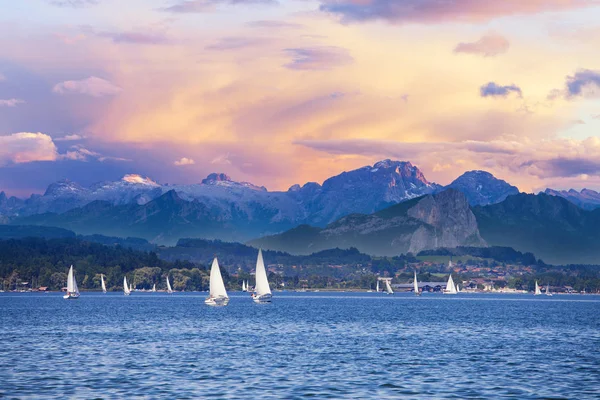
{"x":279,"y":92}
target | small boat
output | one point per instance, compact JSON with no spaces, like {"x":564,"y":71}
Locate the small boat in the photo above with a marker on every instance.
{"x":169,"y":290}
{"x":154,"y":288}
{"x":244,"y":287}
{"x":262,"y":291}
{"x":537,"y":290}
{"x":450,"y":288}
{"x":377,"y":287}
{"x":388,"y":288}
{"x":72,"y":289}
{"x":416,"y":285}
{"x":126,"y":290}
{"x":217,"y":292}
{"x":103,"y":285}
{"x":548,"y":290}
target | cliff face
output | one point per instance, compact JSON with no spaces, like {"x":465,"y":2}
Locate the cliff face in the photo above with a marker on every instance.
{"x":429,"y":222}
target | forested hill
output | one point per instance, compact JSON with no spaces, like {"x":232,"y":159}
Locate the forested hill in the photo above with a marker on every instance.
{"x":48,"y":260}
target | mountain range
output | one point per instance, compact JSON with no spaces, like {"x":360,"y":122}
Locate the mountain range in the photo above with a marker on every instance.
{"x":385,"y":209}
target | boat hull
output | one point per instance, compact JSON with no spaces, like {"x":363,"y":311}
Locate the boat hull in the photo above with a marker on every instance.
{"x":71,"y":296}
{"x":217,"y":302}
{"x":265,"y":298}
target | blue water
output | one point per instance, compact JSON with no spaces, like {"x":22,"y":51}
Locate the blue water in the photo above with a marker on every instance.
{"x":316,"y":345}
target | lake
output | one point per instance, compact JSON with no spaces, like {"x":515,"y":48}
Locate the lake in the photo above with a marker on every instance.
{"x":319,"y":345}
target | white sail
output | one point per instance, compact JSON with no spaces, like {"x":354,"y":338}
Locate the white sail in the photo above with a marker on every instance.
{"x":537,"y":289}
{"x":450,"y":288}
{"x":244,"y":286}
{"x":548,"y":290}
{"x":416,"y":284}
{"x":217,"y":286}
{"x":457,"y":288}
{"x":377,"y":287}
{"x":72,"y":283}
{"x":388,"y":288}
{"x":103,"y":285}
{"x":262,"y":283}
{"x":126,"y":289}
{"x":169,"y":290}
{"x":154,"y":287}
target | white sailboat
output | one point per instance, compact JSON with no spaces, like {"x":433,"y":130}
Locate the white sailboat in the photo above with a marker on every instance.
{"x":126,"y":290}
{"x":72,"y":289}
{"x":416,"y":285}
{"x":103,"y":285}
{"x":244,"y":287}
{"x":217,"y":292}
{"x":169,"y":290}
{"x":457,"y":288}
{"x":548,"y":290}
{"x":450,"y":288}
{"x":537,"y":290}
{"x":262,"y":291}
{"x":377,"y":287}
{"x":154,"y":288}
{"x":388,"y":288}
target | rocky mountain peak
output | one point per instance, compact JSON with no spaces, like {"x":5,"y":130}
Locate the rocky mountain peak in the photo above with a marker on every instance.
{"x":138,"y":179}
{"x":64,"y":187}
{"x":216,"y":177}
{"x":482,"y":188}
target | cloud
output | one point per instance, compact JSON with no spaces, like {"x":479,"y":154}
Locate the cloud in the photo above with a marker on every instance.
{"x":69,"y":138}
{"x":2,"y":77}
{"x":433,"y":11}
{"x":221,"y":160}
{"x":234,"y":43}
{"x":582,"y":81}
{"x":318,"y":58}
{"x":136,"y":37}
{"x":74,"y":3}
{"x":92,"y":86}
{"x":202,"y":6}
{"x":80,"y":153}
{"x":488,"y":46}
{"x":274,"y":24}
{"x":11,"y":102}
{"x":24,"y":147}
{"x":492,"y":89}
{"x":184,"y":161}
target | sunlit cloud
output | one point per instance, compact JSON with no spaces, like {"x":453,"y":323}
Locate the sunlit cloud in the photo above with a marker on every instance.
{"x":202,"y":6}
{"x":184,"y":161}
{"x":92,"y":86}
{"x":488,"y":46}
{"x":69,"y":138}
{"x":25,"y":147}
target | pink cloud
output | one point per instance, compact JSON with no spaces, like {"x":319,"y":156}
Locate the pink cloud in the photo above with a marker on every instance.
{"x":10,"y":102}
{"x":488,"y":46}
{"x":24,"y":147}
{"x":92,"y":86}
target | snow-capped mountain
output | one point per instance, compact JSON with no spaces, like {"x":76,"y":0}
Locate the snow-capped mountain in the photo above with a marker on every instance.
{"x":483,"y":188}
{"x":587,"y":199}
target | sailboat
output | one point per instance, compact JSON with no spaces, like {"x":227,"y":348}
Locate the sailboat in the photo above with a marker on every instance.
{"x":217,"y":293}
{"x":388,"y":288}
{"x":126,"y":290}
{"x":169,"y":290}
{"x":537,"y":290}
{"x":154,"y":288}
{"x":416,"y":285}
{"x":450,"y":288}
{"x":262,"y":291}
{"x":548,"y":290}
{"x":103,"y":285}
{"x":377,"y":287}
{"x":244,"y":287}
{"x":72,"y":290}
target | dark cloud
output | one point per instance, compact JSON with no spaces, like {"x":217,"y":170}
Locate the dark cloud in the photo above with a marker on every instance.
{"x":584,"y":78}
{"x":202,"y":6}
{"x":487,"y":46}
{"x":426,"y":11}
{"x":565,"y":167}
{"x":318,"y":58}
{"x":492,"y":89}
